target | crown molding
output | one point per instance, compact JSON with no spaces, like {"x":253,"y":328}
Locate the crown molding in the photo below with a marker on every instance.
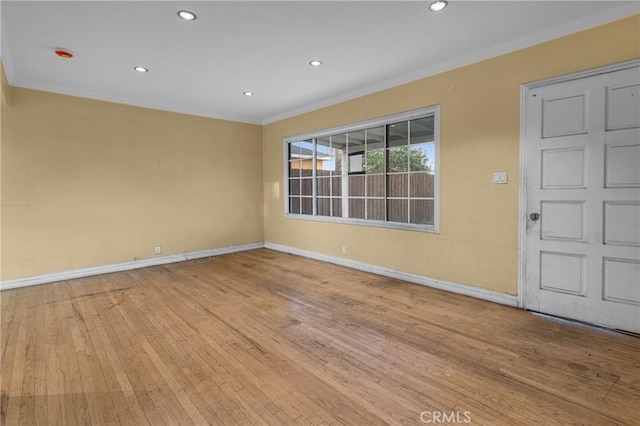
{"x":547,"y":34}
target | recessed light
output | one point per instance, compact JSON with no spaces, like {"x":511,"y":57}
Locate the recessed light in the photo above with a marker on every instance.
{"x":187,"y":15}
{"x":315,"y":63}
{"x":141,"y":69}
{"x":247,"y":93}
{"x":438,"y":5}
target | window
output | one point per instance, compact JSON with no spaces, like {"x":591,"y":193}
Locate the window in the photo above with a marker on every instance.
{"x":382,"y":172}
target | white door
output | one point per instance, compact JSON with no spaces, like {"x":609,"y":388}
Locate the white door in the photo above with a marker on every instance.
{"x":582,"y":190}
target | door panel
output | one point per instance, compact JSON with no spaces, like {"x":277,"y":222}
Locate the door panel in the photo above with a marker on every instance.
{"x":563,"y":220}
{"x":563,"y":168}
{"x":622,"y":223}
{"x":564,"y":116}
{"x":623,"y":107}
{"x":621,"y":277}
{"x":582,"y":167}
{"x":622,"y":165}
{"x":562,"y":272}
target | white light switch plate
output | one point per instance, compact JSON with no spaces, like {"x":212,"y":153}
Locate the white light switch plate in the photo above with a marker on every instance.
{"x":500,"y":177}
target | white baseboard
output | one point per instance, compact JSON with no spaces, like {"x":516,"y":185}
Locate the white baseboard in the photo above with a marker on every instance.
{"x":478,"y":293}
{"x":125,"y":266}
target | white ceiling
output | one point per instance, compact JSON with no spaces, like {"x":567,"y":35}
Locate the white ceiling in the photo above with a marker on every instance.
{"x":203,"y":67}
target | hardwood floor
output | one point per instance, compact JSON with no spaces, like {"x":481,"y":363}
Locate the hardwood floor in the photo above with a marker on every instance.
{"x":263,"y":337}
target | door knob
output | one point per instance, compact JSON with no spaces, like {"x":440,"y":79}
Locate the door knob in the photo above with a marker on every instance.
{"x":534,"y":216}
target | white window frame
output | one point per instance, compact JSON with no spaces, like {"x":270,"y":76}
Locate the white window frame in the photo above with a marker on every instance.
{"x":377,"y":122}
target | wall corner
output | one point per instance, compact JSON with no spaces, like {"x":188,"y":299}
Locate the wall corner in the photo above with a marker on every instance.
{"x":5,"y":92}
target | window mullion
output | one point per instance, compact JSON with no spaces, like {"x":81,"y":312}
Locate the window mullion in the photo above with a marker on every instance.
{"x":333,"y":166}
{"x":345,"y":182}
{"x":314,"y":178}
{"x":408,"y":171}
{"x":365,"y":177}
{"x":385,"y":171}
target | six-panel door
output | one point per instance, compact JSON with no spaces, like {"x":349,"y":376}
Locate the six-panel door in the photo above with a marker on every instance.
{"x":582,"y":256}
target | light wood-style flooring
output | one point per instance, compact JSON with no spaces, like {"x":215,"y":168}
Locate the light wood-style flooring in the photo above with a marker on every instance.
{"x":263,"y":337}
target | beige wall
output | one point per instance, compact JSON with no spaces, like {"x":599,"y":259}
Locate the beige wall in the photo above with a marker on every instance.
{"x":480,"y":116}
{"x":88,"y":183}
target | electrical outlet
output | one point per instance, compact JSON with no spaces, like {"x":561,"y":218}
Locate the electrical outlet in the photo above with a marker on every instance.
{"x":344,"y":250}
{"x":157,"y":249}
{"x":500,"y":177}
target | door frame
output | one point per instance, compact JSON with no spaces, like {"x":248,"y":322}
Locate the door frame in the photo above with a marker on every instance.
{"x":522,"y":202}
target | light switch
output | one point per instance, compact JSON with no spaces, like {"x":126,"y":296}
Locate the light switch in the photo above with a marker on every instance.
{"x":500,"y":177}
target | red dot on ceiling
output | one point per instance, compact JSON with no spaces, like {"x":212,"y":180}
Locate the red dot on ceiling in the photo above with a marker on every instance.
{"x":64,"y":53}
